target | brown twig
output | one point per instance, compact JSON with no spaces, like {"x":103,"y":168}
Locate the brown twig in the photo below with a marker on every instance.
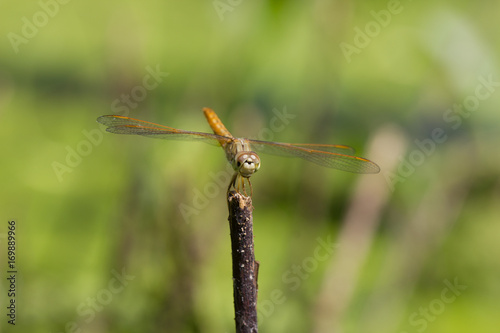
{"x":245,"y":268}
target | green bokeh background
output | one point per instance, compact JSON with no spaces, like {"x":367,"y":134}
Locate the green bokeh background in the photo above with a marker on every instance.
{"x":120,"y":205}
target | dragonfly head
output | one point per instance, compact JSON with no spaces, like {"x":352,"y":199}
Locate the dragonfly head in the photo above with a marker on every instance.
{"x":246,"y":163}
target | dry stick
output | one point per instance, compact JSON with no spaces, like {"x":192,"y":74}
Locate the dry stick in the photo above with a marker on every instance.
{"x":245,"y":268}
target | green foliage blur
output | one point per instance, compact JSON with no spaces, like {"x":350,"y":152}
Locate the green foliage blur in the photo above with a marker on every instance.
{"x":128,"y":234}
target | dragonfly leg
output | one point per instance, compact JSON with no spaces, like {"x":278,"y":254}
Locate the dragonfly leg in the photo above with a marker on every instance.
{"x":249,"y":185}
{"x":242,"y":183}
{"x":251,"y":188}
{"x":238,"y":183}
{"x":232,"y":183}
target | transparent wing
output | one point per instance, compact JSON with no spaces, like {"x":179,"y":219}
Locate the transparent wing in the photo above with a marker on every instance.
{"x":336,"y":149}
{"x":330,"y":156}
{"x":126,"y":125}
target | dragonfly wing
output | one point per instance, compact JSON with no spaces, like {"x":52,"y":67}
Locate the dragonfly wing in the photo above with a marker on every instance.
{"x":337,"y":149}
{"x":131,"y":126}
{"x":324,"y":155}
{"x":112,"y":121}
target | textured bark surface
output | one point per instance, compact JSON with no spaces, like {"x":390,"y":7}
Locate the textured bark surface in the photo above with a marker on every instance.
{"x":245,"y":268}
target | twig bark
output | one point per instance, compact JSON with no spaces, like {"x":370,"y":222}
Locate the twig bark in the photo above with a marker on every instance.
{"x":245,"y":268}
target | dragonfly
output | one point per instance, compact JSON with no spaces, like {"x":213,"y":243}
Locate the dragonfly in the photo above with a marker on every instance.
{"x":241,"y":152}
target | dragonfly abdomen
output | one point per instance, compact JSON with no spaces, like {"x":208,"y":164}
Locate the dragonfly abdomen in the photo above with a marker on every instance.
{"x":216,"y":124}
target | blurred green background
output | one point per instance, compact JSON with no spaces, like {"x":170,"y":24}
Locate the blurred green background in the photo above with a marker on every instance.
{"x":412,"y":85}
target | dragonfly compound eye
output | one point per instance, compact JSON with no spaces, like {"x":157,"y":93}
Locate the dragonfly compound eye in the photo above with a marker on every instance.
{"x":247,"y":163}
